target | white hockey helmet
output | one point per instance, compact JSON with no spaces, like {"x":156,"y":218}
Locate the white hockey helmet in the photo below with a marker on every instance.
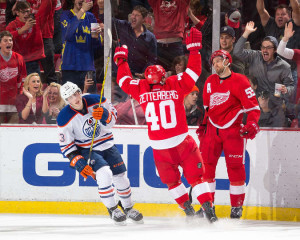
{"x":68,"y":89}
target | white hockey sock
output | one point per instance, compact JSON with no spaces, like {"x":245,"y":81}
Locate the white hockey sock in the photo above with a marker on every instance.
{"x":122,"y":185}
{"x":105,"y":188}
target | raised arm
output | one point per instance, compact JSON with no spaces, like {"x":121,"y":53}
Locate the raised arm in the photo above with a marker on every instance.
{"x":239,"y":51}
{"x":282,"y":49}
{"x":296,"y":11}
{"x":263,"y":13}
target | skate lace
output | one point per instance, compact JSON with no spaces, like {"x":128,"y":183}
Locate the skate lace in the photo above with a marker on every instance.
{"x":132,"y":213}
{"x":117,"y":213}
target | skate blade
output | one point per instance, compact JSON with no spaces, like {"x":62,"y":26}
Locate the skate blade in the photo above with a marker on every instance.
{"x":138,"y":222}
{"x":124,"y":223}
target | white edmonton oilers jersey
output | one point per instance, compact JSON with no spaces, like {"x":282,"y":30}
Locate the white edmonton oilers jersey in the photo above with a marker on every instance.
{"x":76,"y":130}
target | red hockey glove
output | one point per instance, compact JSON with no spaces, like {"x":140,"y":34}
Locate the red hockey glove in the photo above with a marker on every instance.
{"x":121,"y":55}
{"x":201,"y":131}
{"x":249,"y":130}
{"x":102,"y":114}
{"x":81,"y":166}
{"x":193,"y":40}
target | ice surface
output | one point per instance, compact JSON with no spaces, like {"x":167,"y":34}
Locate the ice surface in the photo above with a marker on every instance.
{"x":73,"y":227}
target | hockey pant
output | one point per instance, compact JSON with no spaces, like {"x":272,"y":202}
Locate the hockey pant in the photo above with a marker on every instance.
{"x":186,"y":155}
{"x":213,"y":142}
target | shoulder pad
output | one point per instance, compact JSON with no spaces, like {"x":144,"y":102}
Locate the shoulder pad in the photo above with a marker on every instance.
{"x":65,"y":115}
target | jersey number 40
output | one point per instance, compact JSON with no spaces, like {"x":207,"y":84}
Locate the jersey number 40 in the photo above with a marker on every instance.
{"x":165,"y":108}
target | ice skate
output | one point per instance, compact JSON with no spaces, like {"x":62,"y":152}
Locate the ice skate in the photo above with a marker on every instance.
{"x":117,"y":215}
{"x":209,"y":212}
{"x":200,"y":213}
{"x":189,"y":210}
{"x":134,"y":215}
{"x":236,"y":212}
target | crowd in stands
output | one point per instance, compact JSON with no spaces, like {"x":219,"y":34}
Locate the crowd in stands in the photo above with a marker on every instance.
{"x":45,"y":43}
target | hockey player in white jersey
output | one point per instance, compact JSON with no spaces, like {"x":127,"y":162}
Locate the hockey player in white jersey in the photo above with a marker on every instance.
{"x":76,"y":123}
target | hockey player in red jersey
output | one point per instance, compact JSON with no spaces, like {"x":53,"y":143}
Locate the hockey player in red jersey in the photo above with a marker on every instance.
{"x":162,"y":102}
{"x":226,"y":96}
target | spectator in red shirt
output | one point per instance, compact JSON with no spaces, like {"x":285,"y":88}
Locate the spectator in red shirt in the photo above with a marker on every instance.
{"x":169,"y":28}
{"x":2,"y":15}
{"x":27,"y":32}
{"x":12,"y":75}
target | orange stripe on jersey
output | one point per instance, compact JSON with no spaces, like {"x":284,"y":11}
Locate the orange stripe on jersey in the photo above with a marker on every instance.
{"x":124,"y":193}
{"x":63,"y":149}
{"x":109,"y":191}
{"x":114,"y":115}
{"x":89,"y":143}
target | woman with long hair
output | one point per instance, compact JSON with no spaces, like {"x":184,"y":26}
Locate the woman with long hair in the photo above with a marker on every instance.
{"x":29,"y":103}
{"x":52,"y":103}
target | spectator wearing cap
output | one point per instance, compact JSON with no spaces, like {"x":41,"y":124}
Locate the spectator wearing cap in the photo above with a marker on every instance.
{"x":268,"y":68}
{"x":194,"y":115}
{"x":227,"y":39}
{"x":233,"y":19}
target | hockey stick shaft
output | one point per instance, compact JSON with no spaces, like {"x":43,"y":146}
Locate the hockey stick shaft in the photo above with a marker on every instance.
{"x":101,"y":94}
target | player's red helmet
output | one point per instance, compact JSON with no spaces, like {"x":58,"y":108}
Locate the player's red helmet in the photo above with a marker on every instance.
{"x":154,"y":74}
{"x":220,"y":53}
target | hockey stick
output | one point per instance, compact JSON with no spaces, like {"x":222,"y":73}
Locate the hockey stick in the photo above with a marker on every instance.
{"x":101,"y":94}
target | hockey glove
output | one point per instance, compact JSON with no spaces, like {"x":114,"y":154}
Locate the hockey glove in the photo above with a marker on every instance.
{"x":102,"y":114}
{"x":201,"y":131}
{"x":121,"y":55}
{"x":79,"y":163}
{"x":193,"y":40}
{"x":250,"y":130}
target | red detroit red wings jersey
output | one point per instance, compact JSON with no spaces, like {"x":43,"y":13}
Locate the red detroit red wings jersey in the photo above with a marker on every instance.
{"x":163,"y":104}
{"x":228,"y":99}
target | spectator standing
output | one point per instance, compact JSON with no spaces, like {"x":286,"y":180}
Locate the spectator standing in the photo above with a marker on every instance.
{"x":30,"y":102}
{"x":12,"y":75}
{"x":169,"y":27}
{"x":53,"y":103}
{"x":78,"y":44}
{"x":47,"y":33}
{"x":268,"y":68}
{"x":140,"y":41}
{"x":288,"y":53}
{"x":57,"y":28}
{"x":227,"y":39}
{"x":226,"y":96}
{"x":2,"y":15}
{"x":194,"y":115}
{"x":27,"y":33}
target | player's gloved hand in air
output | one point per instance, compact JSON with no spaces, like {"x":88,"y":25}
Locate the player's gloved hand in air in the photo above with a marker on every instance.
{"x":121,"y":55}
{"x":193,"y":40}
{"x":102,"y":114}
{"x":201,"y":131}
{"x":250,"y":130}
{"x":80,"y":164}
